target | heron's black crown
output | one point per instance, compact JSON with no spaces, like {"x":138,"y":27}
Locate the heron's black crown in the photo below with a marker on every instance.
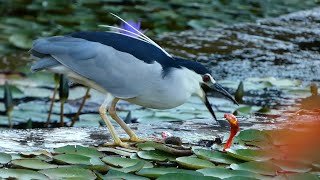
{"x":144,"y":51}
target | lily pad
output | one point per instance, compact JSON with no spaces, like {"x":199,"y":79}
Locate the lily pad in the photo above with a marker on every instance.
{"x":264,"y":168}
{"x":33,"y":164}
{"x":194,"y":163}
{"x":302,"y":176}
{"x":80,"y":150}
{"x":114,"y":174}
{"x":5,"y":158}
{"x":156,"y":172}
{"x":249,"y":154}
{"x":62,"y":173}
{"x":77,"y":159}
{"x":226,"y":173}
{"x":254,"y":135}
{"x":115,"y":151}
{"x":174,"y":176}
{"x":155,"y":155}
{"x":125,"y":162}
{"x":292,"y":166}
{"x":23,"y":174}
{"x":216,"y":156}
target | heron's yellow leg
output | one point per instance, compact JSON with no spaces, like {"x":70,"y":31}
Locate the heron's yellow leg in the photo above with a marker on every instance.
{"x":102,"y":112}
{"x":125,"y":127}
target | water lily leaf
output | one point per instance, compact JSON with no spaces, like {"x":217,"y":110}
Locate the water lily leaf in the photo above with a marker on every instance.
{"x":244,"y":110}
{"x":226,"y":173}
{"x":249,"y":154}
{"x":156,"y":172}
{"x":156,"y":155}
{"x":77,"y":159}
{"x":115,"y":151}
{"x":264,"y":168}
{"x":80,"y":150}
{"x":174,"y":176}
{"x":194,"y":163}
{"x":136,"y":167}
{"x":33,"y":164}
{"x":292,"y":166}
{"x":62,"y":173}
{"x":253,"y":135}
{"x":216,"y":156}
{"x":5,"y":158}
{"x":23,"y":174}
{"x":125,"y":162}
{"x":302,"y":176}
{"x":21,"y":41}
{"x":114,"y":174}
{"x":240,"y":178}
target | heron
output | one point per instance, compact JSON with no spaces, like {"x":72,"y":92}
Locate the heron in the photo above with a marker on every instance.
{"x":125,"y":65}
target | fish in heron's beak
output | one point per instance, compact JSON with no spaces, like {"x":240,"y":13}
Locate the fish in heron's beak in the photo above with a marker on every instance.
{"x":215,"y":87}
{"x":234,"y":128}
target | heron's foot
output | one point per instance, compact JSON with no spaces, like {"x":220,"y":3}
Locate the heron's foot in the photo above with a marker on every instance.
{"x":120,"y":144}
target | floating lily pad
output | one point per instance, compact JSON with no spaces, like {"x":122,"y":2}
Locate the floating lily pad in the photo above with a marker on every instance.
{"x":174,"y":176}
{"x":156,"y":155}
{"x":264,"y":168}
{"x":5,"y":158}
{"x":249,"y":154}
{"x":292,"y":166}
{"x":23,"y":174}
{"x":62,"y":173}
{"x":302,"y":176}
{"x":125,"y":162}
{"x":136,"y":167}
{"x":194,"y":163}
{"x":240,"y":178}
{"x":115,"y":151}
{"x":254,"y":135}
{"x":226,"y":173}
{"x":216,"y":156}
{"x":114,"y":174}
{"x":33,"y":164}
{"x":77,"y":159}
{"x":80,"y":150}
{"x":156,"y":172}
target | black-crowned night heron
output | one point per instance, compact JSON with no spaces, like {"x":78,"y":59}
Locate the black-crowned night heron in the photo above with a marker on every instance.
{"x":127,"y":66}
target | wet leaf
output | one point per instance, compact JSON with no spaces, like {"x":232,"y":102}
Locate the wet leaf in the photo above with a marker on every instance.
{"x":80,"y":150}
{"x":155,"y":155}
{"x":194,"y":163}
{"x":216,"y":156}
{"x":115,"y":151}
{"x":250,"y":154}
{"x":77,"y":159}
{"x":240,"y":178}
{"x":33,"y":164}
{"x":114,"y":174}
{"x":292,"y":166}
{"x":125,"y":162}
{"x":21,"y":174}
{"x":156,"y":172}
{"x":253,"y":135}
{"x":174,"y":176}
{"x":302,"y":176}
{"x":264,"y":168}
{"x":5,"y":158}
{"x":226,"y":173}
{"x":63,"y":173}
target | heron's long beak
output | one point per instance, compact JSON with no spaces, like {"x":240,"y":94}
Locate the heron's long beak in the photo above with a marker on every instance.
{"x":218,"y":88}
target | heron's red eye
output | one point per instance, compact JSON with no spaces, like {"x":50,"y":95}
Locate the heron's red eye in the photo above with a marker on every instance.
{"x":206,"y":78}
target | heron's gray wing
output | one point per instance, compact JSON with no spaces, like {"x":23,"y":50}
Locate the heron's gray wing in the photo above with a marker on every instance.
{"x":117,"y":72}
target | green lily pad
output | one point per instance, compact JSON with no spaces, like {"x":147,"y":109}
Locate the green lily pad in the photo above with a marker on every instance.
{"x":174,"y":176}
{"x":302,"y":176}
{"x":80,"y":150}
{"x":216,"y":156}
{"x":63,"y":173}
{"x":21,"y":41}
{"x":125,"y":162}
{"x":136,"y":167}
{"x":254,"y":135}
{"x":264,"y":168}
{"x":23,"y":174}
{"x":194,"y":163}
{"x":5,"y":158}
{"x":77,"y":159}
{"x":293,"y":166}
{"x":155,"y":155}
{"x":115,"y":151}
{"x":226,"y":173}
{"x":240,"y":178}
{"x":249,"y":154}
{"x":156,"y":172}
{"x":33,"y":164}
{"x":114,"y":174}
